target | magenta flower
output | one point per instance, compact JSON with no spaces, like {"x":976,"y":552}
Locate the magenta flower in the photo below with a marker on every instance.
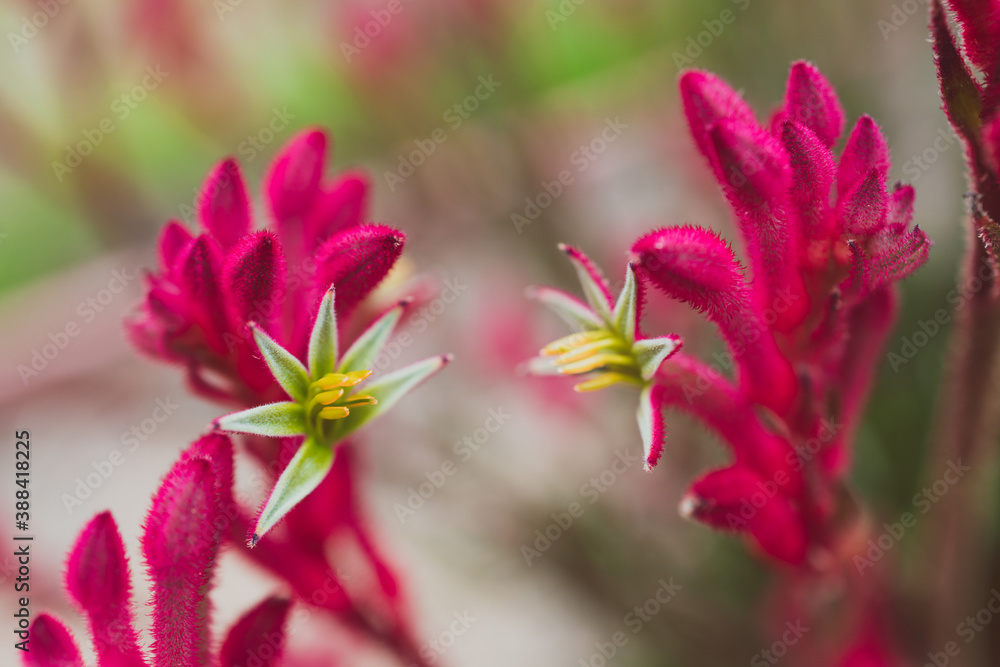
{"x":183,"y":532}
{"x":826,"y":241}
{"x":211,"y":286}
{"x":219,"y":294}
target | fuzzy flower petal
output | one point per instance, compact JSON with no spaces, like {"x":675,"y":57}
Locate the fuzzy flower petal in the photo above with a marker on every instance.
{"x":224,"y":207}
{"x":51,"y":645}
{"x":184,"y":519}
{"x":97,"y":578}
{"x":258,"y":633}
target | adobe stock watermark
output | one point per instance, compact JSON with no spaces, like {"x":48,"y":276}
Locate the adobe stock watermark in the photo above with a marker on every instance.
{"x":591,"y":491}
{"x":796,"y":459}
{"x":697,"y":44}
{"x":920,"y":164}
{"x":922,"y":501}
{"x":121,"y":109}
{"x":248,"y":149}
{"x":959,"y":297}
{"x":87,"y":311}
{"x":434,"y":648}
{"x":900,"y":14}
{"x":777,"y":650}
{"x":30,"y":25}
{"x":635,"y":621}
{"x":130,"y":441}
{"x":419,"y":320}
{"x":579,"y":161}
{"x":750,"y":332}
{"x":967,"y":630}
{"x":455,"y":116}
{"x":463,"y":450}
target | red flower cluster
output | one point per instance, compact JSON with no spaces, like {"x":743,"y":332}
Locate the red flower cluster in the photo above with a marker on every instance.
{"x":196,"y":313}
{"x":826,"y":241}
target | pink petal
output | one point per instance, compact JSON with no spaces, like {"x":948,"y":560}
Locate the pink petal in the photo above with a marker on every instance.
{"x":866,"y":150}
{"x":293,"y":180}
{"x":901,"y":206}
{"x":708,"y":99}
{"x":180,"y":541}
{"x":812,"y":101}
{"x":737,"y":499}
{"x":757,"y":182}
{"x":355,"y":262}
{"x":339,"y":207}
{"x":591,"y":269}
{"x":217,"y":449}
{"x":258,"y":637}
{"x":174,"y":240}
{"x":51,"y":645}
{"x":701,"y":390}
{"x":201,"y":285}
{"x":254,"y":280}
{"x":697,"y":267}
{"x":892,"y":255}
{"x":813,"y":169}
{"x":864,"y":210}
{"x":659,"y":430}
{"x":97,"y":578}
{"x":223,"y":207}
{"x":868,"y":327}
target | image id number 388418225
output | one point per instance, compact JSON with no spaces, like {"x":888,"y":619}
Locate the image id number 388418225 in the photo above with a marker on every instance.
{"x":22,"y":541}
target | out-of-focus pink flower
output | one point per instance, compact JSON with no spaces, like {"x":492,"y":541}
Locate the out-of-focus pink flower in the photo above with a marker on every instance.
{"x":183,"y":532}
{"x":973,"y":106}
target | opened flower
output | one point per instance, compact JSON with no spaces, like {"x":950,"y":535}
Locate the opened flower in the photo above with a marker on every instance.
{"x":826,"y":242}
{"x":213,"y":283}
{"x":607,"y":346}
{"x":326,"y":406}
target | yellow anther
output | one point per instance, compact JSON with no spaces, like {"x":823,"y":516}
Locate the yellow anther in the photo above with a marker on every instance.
{"x":334,"y":412}
{"x":332,"y":381}
{"x":328,"y":397}
{"x":354,"y":377}
{"x":573,"y":341}
{"x":606,"y":380}
{"x":590,"y":348}
{"x":595,"y":362}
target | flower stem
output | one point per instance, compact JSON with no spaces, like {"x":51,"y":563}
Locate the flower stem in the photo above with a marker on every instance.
{"x":966,"y":423}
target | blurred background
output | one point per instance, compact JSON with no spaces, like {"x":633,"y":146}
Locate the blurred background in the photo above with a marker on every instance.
{"x":462,"y":112}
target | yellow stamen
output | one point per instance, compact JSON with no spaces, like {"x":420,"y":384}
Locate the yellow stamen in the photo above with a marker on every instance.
{"x":334,"y":380}
{"x":357,"y":376}
{"x":360,"y":399}
{"x":573,"y":341}
{"x":328,"y":397}
{"x":588,"y":349}
{"x":606,"y":380}
{"x":595,"y":362}
{"x":334,"y":412}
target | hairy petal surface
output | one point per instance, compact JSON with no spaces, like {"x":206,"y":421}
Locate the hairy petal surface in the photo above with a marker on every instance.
{"x":97,"y":578}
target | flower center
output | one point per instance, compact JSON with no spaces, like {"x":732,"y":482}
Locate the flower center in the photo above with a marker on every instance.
{"x":326,"y":400}
{"x":602,"y":351}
